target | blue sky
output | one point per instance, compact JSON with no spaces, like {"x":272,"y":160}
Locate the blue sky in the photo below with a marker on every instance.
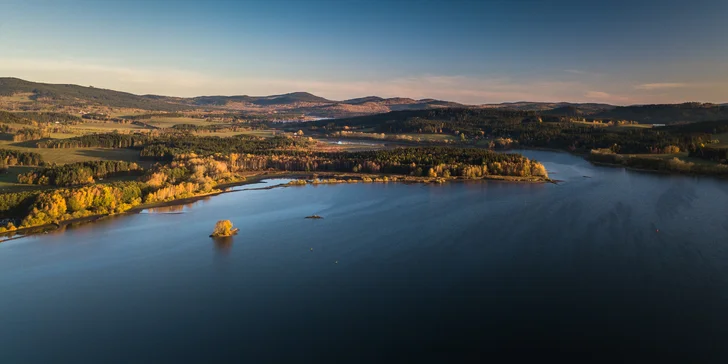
{"x":620,"y":52}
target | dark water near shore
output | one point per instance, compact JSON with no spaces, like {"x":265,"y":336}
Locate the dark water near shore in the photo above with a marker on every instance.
{"x":623,"y":265}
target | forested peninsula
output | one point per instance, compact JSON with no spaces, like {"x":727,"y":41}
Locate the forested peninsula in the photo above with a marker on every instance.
{"x":183,"y":166}
{"x":696,"y":148}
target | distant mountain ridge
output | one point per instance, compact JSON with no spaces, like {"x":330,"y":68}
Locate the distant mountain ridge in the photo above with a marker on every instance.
{"x":309,"y":104}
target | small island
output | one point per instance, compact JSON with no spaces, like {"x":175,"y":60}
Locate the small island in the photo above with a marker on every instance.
{"x":223,"y":228}
{"x":314,"y":217}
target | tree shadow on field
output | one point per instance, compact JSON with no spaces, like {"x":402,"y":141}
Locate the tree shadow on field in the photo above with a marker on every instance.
{"x":110,"y":154}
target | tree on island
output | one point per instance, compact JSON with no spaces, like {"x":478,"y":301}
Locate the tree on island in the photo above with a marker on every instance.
{"x":223,"y":228}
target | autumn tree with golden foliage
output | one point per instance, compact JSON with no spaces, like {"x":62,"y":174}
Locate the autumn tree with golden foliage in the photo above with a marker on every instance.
{"x":223,"y":228}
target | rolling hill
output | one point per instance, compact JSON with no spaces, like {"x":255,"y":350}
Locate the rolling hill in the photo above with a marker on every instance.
{"x":363,"y":100}
{"x":70,"y":94}
{"x":285,"y":99}
{"x":585,"y":108}
{"x":312,"y":105}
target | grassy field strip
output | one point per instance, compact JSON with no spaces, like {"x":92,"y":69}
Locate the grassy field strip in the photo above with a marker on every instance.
{"x":73,"y":155}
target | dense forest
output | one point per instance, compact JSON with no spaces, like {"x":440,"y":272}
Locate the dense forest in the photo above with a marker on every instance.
{"x":151,"y":115}
{"x":711,"y":153}
{"x":284,"y":99}
{"x":424,"y":161}
{"x":168,"y":146}
{"x":16,"y":158}
{"x":666,"y":114}
{"x":215,"y":128}
{"x":7,"y":117}
{"x":447,"y":121}
{"x":583,"y":137}
{"x":103,"y":140}
{"x":40,"y":208}
{"x":27,"y":134}
{"x":77,"y":173}
{"x":657,"y":164}
{"x":525,"y":128}
{"x":50,"y":117}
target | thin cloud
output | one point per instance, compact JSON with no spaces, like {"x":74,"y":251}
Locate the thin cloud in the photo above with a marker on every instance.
{"x":601,"y":96}
{"x":660,"y":86}
{"x":576,"y":72}
{"x":185,"y":83}
{"x":98,"y":74}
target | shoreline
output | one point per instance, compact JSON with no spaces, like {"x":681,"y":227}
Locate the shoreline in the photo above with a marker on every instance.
{"x":41,"y":229}
{"x":656,"y":171}
{"x":257,"y":178}
{"x":513,"y":149}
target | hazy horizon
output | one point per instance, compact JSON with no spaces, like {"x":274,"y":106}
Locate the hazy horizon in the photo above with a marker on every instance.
{"x":621,"y":53}
{"x":353,"y":98}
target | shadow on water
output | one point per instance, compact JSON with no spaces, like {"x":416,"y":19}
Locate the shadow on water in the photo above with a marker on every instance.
{"x":223,"y":245}
{"x":175,"y":208}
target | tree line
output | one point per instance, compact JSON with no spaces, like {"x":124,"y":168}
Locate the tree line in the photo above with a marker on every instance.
{"x":656,"y":164}
{"x":151,"y":115}
{"x":50,"y":117}
{"x":41,"y":208}
{"x":27,"y":134}
{"x":34,"y":118}
{"x":422,"y":161}
{"x":167,"y":147}
{"x":10,"y":157}
{"x":7,"y":117}
{"x":77,"y":173}
{"x":101,"y":140}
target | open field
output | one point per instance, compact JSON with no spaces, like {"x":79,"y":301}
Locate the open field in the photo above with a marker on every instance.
{"x":259,"y":133}
{"x":723,"y":138}
{"x":63,"y":135}
{"x":100,"y":127}
{"x":589,"y":123}
{"x":632,"y":126}
{"x":9,"y":180}
{"x":19,"y":97}
{"x":167,"y":122}
{"x":73,"y":155}
{"x":431,"y":137}
{"x":18,"y":126}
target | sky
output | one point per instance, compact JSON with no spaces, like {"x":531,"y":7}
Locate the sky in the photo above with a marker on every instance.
{"x":619,"y":52}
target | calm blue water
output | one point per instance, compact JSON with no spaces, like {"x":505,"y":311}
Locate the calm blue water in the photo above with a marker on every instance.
{"x":621,"y":265}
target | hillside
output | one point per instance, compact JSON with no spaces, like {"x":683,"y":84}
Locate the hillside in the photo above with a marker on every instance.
{"x":435,"y":120}
{"x":73,"y":94}
{"x":568,"y":111}
{"x":554,"y":108}
{"x":667,"y":114}
{"x":710,"y":127}
{"x":363,"y":100}
{"x":285,"y":99}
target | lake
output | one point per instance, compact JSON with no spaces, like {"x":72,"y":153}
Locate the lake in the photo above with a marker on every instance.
{"x":608,"y":264}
